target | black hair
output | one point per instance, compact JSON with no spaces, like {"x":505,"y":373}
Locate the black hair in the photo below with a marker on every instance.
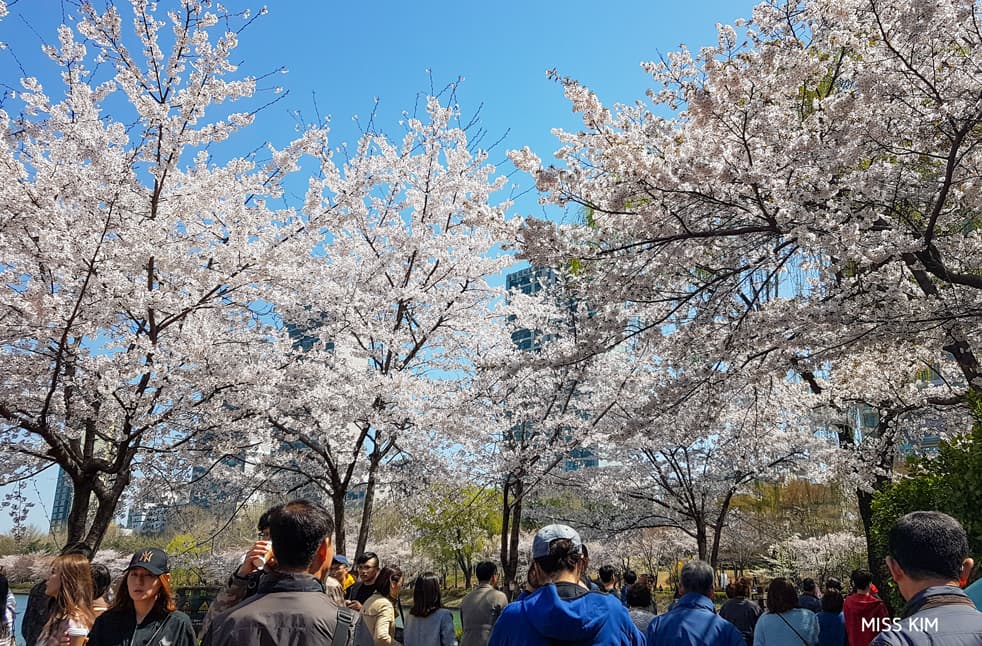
{"x":861,"y":579}
{"x":297,"y":530}
{"x":562,"y":556}
{"x":386,"y":577}
{"x":638,"y":596}
{"x":630,"y":577}
{"x":833,"y":583}
{"x":808,"y":585}
{"x":4,"y":590}
{"x":606,"y":573}
{"x":929,"y":544}
{"x":366,"y":557}
{"x":731,"y":590}
{"x":832,"y":602}
{"x":263,"y":523}
{"x":485,"y":570}
{"x":101,"y":580}
{"x":426,"y":595}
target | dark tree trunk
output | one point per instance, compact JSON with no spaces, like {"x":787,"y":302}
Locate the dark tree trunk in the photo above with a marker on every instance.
{"x":337,"y":502}
{"x":366,"y":512}
{"x":511,"y":517}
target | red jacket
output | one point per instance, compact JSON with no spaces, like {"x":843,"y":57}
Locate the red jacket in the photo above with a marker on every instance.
{"x":858,"y":607}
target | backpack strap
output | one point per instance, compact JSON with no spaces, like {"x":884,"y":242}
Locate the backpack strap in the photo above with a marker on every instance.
{"x":342,"y":631}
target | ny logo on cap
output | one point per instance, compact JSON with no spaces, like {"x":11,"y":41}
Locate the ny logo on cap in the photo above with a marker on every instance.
{"x":146,"y":557}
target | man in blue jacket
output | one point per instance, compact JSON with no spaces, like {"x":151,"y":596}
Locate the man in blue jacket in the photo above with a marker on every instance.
{"x":563,"y":611}
{"x":693,"y":620}
{"x":928,"y":557}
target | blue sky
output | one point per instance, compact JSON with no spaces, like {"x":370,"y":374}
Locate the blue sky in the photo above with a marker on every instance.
{"x":341,"y":56}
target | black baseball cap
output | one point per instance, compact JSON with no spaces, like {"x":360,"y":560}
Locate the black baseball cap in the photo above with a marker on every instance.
{"x":153,"y":560}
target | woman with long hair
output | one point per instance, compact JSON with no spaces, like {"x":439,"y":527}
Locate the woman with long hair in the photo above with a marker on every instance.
{"x":143,"y":612}
{"x":378,"y":616}
{"x":429,"y":623}
{"x":70,"y":588}
{"x":785,"y":623}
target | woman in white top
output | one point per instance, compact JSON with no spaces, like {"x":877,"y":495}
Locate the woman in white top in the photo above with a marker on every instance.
{"x":70,"y":587}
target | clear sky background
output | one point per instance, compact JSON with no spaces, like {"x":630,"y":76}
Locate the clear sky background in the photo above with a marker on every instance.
{"x":341,"y":56}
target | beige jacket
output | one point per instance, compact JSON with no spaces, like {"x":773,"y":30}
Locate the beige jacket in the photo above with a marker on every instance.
{"x":378,"y":623}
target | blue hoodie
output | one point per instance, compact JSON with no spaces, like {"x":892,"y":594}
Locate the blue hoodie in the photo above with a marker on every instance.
{"x":565,"y":613}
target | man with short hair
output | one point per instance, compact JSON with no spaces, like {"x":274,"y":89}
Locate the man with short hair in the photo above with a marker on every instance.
{"x":863,"y":612}
{"x":928,"y":557}
{"x":693,"y":620}
{"x":809,"y":596}
{"x":368,"y":567}
{"x":244,"y":581}
{"x":630,"y":578}
{"x":290,"y":606}
{"x":608,"y":582}
{"x":481,"y":607}
{"x":561,"y":610}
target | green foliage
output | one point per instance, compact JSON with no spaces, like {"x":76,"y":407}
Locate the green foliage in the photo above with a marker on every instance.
{"x":950,"y":482}
{"x":458,"y":524}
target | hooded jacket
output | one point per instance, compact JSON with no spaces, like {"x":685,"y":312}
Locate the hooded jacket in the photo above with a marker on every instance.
{"x":565,"y":613}
{"x":858,"y":607}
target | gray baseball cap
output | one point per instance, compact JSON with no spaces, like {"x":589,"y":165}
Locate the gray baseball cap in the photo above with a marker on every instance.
{"x":550,"y":533}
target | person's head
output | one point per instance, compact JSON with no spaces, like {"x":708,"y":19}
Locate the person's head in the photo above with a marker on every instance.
{"x":741,"y":587}
{"x":70,"y":586}
{"x":262,"y":527}
{"x":860,"y":580}
{"x":832,"y":583}
{"x":486,"y":571}
{"x":832,"y":602}
{"x":301,"y":533}
{"x":638,"y":596}
{"x":101,"y":580}
{"x":146,"y":581}
{"x":368,"y":566}
{"x":340,"y":565}
{"x":389,"y":582}
{"x":697,"y":576}
{"x":557,"y":549}
{"x":607,"y":574}
{"x":731,"y":590}
{"x":927,"y":548}
{"x":426,"y":595}
{"x":781,"y":596}
{"x":808,"y":587}
{"x":630,"y":577}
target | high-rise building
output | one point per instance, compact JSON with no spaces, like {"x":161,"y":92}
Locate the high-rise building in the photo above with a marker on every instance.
{"x":530,"y":281}
{"x":62,"y":506}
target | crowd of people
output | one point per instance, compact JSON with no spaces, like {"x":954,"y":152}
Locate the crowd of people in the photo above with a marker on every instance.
{"x":291,"y":588}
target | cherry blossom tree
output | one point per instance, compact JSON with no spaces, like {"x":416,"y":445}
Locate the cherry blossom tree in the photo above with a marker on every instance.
{"x":131,"y":313}
{"x":797,"y":200}
{"x":394,"y":298}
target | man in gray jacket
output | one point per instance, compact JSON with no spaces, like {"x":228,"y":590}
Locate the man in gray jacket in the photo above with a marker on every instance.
{"x":481,"y":607}
{"x":928,"y":557}
{"x":290,"y":606}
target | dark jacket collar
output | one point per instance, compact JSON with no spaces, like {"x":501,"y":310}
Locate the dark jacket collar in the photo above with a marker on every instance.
{"x":290,"y":582}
